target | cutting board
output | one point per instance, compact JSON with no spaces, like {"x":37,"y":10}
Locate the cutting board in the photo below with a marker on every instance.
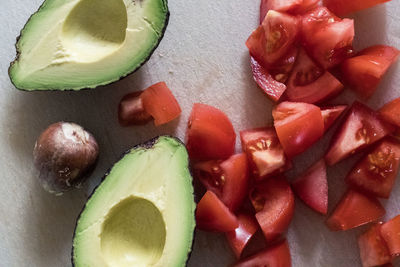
{"x":202,"y":58}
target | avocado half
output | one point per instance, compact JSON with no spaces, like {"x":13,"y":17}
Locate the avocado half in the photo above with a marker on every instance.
{"x":142,"y":214}
{"x":76,"y":44}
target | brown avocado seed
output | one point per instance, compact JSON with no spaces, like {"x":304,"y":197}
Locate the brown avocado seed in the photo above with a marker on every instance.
{"x":64,"y":155}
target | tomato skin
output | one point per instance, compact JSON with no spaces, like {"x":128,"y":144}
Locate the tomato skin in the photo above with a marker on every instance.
{"x":327,"y":38}
{"x":309,"y":83}
{"x":273,"y":39}
{"x":264,"y":152}
{"x":210,"y":134}
{"x":344,"y":7}
{"x":213,"y":215}
{"x":239,"y":237}
{"x":131,"y":110}
{"x":312,"y":187}
{"x":390,"y":112}
{"x":160,"y":103}
{"x":376,"y":172}
{"x":355,"y":209}
{"x":331,"y":114}
{"x":364,"y":71}
{"x":298,"y":126}
{"x":273,"y":201}
{"x":272,"y":88}
{"x":289,"y":6}
{"x":228,"y":180}
{"x":275,"y":256}
{"x":373,"y":248}
{"x":361,"y":128}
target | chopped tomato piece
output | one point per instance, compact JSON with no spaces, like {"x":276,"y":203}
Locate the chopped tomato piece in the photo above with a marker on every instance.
{"x":289,"y":6}
{"x":344,"y":7}
{"x":131,"y":110}
{"x":271,"y":87}
{"x":227,"y":179}
{"x":330,"y":114}
{"x":390,"y":112}
{"x":210,"y":134}
{"x":273,"y":39}
{"x":355,"y":209}
{"x":160,"y":103}
{"x":312,"y":187}
{"x":327,"y":38}
{"x":376,"y":172}
{"x":361,"y":128}
{"x":239,"y":237}
{"x":390,"y":231}
{"x":298,"y":126}
{"x":273,"y":201}
{"x":373,"y":249}
{"x":264,"y":152}
{"x":309,"y":83}
{"x":213,"y":215}
{"x":275,"y":256}
{"x":364,"y":71}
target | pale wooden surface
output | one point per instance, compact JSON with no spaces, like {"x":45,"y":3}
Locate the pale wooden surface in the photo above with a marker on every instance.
{"x":203,"y":59}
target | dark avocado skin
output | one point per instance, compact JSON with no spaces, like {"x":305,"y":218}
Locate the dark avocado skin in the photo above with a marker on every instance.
{"x":146,"y":145}
{"x":88,"y":88}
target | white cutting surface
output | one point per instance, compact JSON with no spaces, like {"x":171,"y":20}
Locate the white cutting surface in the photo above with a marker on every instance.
{"x":203,"y":59}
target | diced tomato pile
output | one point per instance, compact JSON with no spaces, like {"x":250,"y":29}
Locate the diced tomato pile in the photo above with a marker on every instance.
{"x":301,"y":56}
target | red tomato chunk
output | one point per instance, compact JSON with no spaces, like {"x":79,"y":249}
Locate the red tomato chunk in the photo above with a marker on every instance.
{"x":344,"y":7}
{"x":364,"y":71}
{"x":264,"y":152}
{"x":227,"y":179}
{"x":376,"y":172}
{"x":298,"y":126}
{"x":273,"y":201}
{"x":355,"y":209}
{"x":210,"y":134}
{"x":312,"y":187}
{"x":331,"y":114}
{"x":275,"y":256}
{"x":391,"y":234}
{"x":213,"y":215}
{"x":361,"y":128}
{"x":391,"y":112}
{"x":239,"y":237}
{"x":373,"y":249}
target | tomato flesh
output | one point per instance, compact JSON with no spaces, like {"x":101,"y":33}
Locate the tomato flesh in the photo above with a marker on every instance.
{"x":210,"y":134}
{"x":275,"y":256}
{"x":390,"y":112}
{"x":239,"y":237}
{"x":289,"y":6}
{"x":309,"y":83}
{"x":227,"y":179}
{"x":355,"y":209}
{"x":391,"y":234}
{"x":376,"y":172}
{"x":273,"y":39}
{"x":344,"y":7}
{"x":327,"y":38}
{"x":373,"y":248}
{"x":160,"y":103}
{"x":312,"y":187}
{"x":271,"y":87}
{"x":131,"y":110}
{"x":364,"y":71}
{"x":213,"y":215}
{"x":264,"y":152}
{"x":361,"y":128}
{"x":298,"y":126}
{"x":331,"y":114}
{"x":273,"y":201}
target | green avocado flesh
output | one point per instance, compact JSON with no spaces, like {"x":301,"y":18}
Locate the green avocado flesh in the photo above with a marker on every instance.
{"x":142,"y":214}
{"x":75,"y":44}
